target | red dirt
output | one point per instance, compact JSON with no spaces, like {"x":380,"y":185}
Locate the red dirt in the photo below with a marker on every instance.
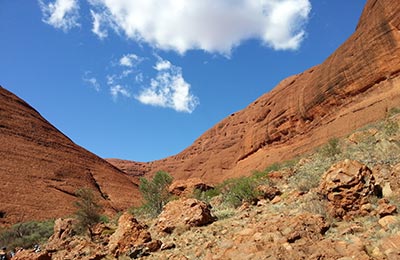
{"x":355,"y":86}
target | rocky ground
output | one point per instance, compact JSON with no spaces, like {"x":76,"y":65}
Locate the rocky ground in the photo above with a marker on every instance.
{"x":339,"y":202}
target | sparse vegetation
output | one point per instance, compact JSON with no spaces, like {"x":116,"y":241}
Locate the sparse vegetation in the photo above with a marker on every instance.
{"x":88,"y":211}
{"x":26,"y":234}
{"x":237,"y":191}
{"x":332,"y":148}
{"x":155,"y":193}
{"x":207,"y":195}
{"x":391,"y":127}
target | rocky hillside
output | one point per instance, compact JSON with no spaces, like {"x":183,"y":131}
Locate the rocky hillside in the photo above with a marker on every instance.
{"x":339,"y":202}
{"x":356,"y":85}
{"x":41,"y":168}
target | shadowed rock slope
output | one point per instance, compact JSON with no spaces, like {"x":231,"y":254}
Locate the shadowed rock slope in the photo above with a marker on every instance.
{"x":41,"y":168}
{"x":356,"y":85}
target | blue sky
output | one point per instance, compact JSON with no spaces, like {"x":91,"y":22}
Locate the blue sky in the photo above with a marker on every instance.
{"x":142,"y":79}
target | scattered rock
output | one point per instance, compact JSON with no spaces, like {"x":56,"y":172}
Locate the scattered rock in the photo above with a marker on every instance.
{"x":385,"y":209}
{"x":346,"y":186}
{"x":185,"y":188}
{"x":167,"y":246}
{"x":268,"y":192}
{"x":184,"y":213}
{"x":129,"y":234}
{"x":31,"y":255}
{"x":305,"y":225}
{"x":388,"y":220}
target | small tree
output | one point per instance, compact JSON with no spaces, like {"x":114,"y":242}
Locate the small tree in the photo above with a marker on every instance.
{"x":88,"y":212}
{"x":155,"y":192}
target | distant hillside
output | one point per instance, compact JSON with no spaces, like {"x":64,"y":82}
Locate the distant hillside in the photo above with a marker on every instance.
{"x":356,"y":85}
{"x":41,"y":168}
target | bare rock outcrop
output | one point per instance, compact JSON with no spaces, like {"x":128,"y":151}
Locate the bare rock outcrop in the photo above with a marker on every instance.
{"x":185,"y":188}
{"x":184,"y":213}
{"x":346,"y":186}
{"x":63,"y":231}
{"x":131,"y":237}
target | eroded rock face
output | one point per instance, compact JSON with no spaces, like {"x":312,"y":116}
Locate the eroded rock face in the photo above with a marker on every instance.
{"x":129,"y":235}
{"x":184,"y":213}
{"x":185,"y":188}
{"x":356,"y":85}
{"x":347,"y":186}
{"x":41,"y":168}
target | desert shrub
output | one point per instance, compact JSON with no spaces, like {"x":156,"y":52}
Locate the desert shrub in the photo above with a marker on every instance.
{"x":155,"y":193}
{"x":332,"y":148}
{"x":26,"y":234}
{"x":237,"y":191}
{"x":88,"y":210}
{"x":207,"y":195}
{"x":308,"y":175}
{"x":391,"y":127}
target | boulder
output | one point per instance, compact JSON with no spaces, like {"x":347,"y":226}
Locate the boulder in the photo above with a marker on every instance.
{"x":185,"y":188}
{"x":346,"y":186}
{"x":184,"y":213}
{"x":128,"y":236}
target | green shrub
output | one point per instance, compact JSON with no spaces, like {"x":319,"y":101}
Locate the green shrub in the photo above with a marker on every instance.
{"x":237,"y":191}
{"x":26,"y":234}
{"x":332,"y":148}
{"x":155,"y":193}
{"x":88,"y":211}
{"x":207,"y":195}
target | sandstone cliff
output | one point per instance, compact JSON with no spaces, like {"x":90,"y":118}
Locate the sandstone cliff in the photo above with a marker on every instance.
{"x":41,"y":168}
{"x":356,"y":85}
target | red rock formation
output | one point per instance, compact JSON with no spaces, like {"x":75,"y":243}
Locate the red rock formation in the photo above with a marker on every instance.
{"x":184,"y":213}
{"x":41,"y":168}
{"x":356,"y":85}
{"x":347,"y":186}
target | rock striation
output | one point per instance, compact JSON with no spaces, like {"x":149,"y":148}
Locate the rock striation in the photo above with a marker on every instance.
{"x":354,"y":86}
{"x":41,"y":168}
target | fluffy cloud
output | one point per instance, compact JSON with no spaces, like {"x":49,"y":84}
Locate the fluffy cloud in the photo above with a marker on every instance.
{"x":61,"y":14}
{"x":118,"y":90}
{"x":169,"y":89}
{"x":213,"y":26}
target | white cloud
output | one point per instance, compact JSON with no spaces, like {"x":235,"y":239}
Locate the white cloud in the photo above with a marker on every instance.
{"x":118,"y":90}
{"x":92,"y":81}
{"x":97,"y":25}
{"x":130,"y":60}
{"x":61,"y":14}
{"x":213,"y":26}
{"x":169,"y":89}
{"x":162,"y":65}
